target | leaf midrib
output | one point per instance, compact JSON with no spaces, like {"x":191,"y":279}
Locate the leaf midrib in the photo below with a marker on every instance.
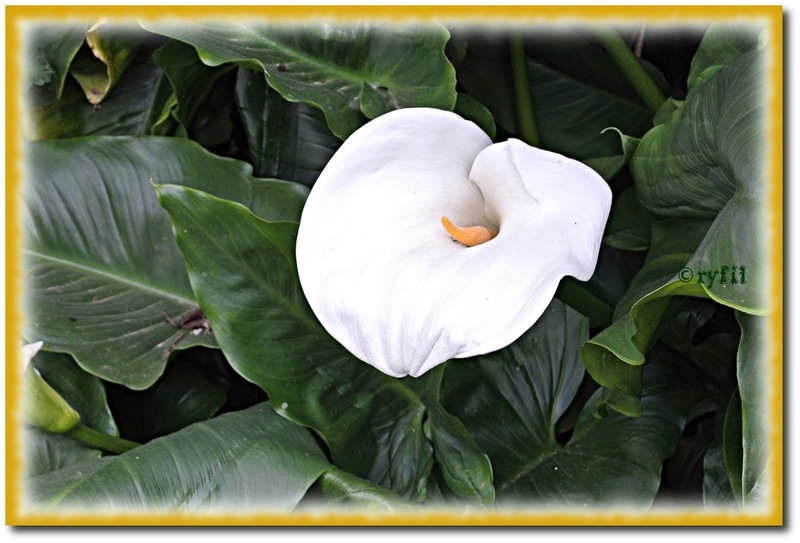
{"x":314,"y":62}
{"x":89,"y":270}
{"x":530,"y":466}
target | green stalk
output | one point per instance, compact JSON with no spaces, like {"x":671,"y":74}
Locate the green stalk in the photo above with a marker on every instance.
{"x":98,"y":440}
{"x":644,"y":86}
{"x":522,"y":91}
{"x":578,"y":297}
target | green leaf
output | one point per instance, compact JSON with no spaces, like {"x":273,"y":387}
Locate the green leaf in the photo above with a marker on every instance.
{"x":721,"y":44}
{"x":98,"y":68}
{"x":732,"y":445}
{"x":610,"y":166}
{"x":44,"y":407}
{"x":466,"y":470}
{"x":707,"y":162}
{"x":717,"y":489}
{"x":710,"y":148}
{"x":615,"y":356}
{"x":693,"y":334}
{"x":511,"y":400}
{"x":285,"y":140}
{"x":666,"y":110}
{"x":83,"y":392}
{"x":574,"y":90}
{"x":186,"y":393}
{"x":102,"y":265}
{"x":203,"y":94}
{"x":597,"y":297}
{"x":472,"y":110}
{"x":628,"y":225}
{"x":130,"y":108}
{"x":349,"y":71}
{"x":45,"y":452}
{"x":682,"y":473}
{"x":244,"y":274}
{"x":252,"y":460}
{"x":752,"y":362}
{"x":342,"y":488}
{"x":617,"y":459}
{"x":49,"y":52}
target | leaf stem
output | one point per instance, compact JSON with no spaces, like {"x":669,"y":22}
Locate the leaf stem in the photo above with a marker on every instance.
{"x":522,"y":92}
{"x":98,"y":440}
{"x":579,"y":298}
{"x":642,"y":83}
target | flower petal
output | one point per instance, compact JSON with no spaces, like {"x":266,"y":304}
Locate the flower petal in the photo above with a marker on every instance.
{"x":551,"y":211}
{"x":383,"y":276}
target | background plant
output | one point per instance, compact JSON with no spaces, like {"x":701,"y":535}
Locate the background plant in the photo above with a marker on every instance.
{"x":167,"y":166}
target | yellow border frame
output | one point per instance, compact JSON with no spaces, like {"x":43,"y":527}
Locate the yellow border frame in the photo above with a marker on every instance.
{"x":15,"y":15}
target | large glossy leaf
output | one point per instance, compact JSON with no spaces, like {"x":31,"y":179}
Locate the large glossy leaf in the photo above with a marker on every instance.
{"x":466,"y":470}
{"x":49,"y":52}
{"x":244,"y":274}
{"x":252,"y":460}
{"x":608,"y":461}
{"x":708,"y":161}
{"x":350,"y":71}
{"x":617,"y":459}
{"x":512,"y":399}
{"x":705,"y":163}
{"x":101,"y":264}
{"x":721,"y":44}
{"x":285,"y":140}
{"x":732,"y":449}
{"x":572,"y":103}
{"x":615,"y":356}
{"x":44,"y":452}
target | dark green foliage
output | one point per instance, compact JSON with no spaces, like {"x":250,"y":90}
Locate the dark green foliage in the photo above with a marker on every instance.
{"x":160,"y":274}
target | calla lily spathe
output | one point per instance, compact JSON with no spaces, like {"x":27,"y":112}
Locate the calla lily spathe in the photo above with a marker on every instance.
{"x":389,"y":283}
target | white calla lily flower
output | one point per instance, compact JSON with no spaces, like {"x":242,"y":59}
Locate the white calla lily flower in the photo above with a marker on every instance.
{"x":388,"y":281}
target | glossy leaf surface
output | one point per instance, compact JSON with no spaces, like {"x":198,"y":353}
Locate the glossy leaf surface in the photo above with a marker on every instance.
{"x":104,"y":270}
{"x":239,"y":462}
{"x":693,"y":176}
{"x":612,"y":460}
{"x":349,"y":71}
{"x":249,"y":290}
{"x":284,"y":139}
